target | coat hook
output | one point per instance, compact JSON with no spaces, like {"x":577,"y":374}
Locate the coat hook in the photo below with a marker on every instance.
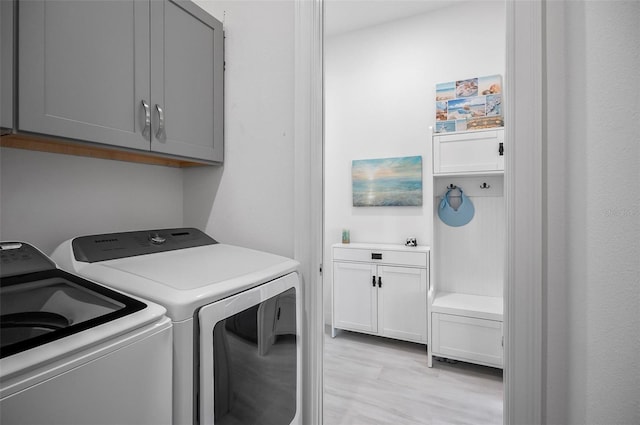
{"x":485,"y":186}
{"x":452,"y":186}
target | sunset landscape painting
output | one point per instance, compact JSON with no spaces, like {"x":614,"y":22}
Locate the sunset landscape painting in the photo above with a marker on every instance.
{"x":387,"y":182}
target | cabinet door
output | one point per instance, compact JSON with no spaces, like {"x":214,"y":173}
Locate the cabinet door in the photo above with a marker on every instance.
{"x":186,"y":81}
{"x":468,"y":152}
{"x":354,"y":297}
{"x":402,"y":303}
{"x":84,"y":69}
{"x":6,"y":66}
{"x":467,"y":338}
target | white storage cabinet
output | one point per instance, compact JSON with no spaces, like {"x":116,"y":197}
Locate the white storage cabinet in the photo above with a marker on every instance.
{"x":380,"y":290}
{"x":466,"y":296}
{"x":466,"y":327}
{"x":468,"y":152}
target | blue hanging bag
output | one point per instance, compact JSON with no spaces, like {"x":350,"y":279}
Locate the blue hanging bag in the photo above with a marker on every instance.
{"x":456,"y":217}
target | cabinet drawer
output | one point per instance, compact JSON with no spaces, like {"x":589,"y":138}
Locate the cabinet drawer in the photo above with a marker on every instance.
{"x":381,"y":256}
{"x":468,"y":339}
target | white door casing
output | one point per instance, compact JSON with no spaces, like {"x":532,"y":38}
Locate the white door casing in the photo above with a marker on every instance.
{"x":523,"y":193}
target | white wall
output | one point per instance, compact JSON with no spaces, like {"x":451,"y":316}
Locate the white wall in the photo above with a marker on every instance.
{"x":47,"y":198}
{"x":249,"y":202}
{"x":380,"y":102}
{"x":592,"y":336}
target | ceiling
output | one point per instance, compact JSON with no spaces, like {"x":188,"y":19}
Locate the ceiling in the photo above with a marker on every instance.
{"x":349,"y":15}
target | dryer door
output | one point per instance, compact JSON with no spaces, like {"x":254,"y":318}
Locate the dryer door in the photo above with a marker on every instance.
{"x":250,"y":356}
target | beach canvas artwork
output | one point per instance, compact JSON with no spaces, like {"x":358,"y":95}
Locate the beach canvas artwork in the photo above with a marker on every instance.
{"x":464,"y":104}
{"x":441,"y":111}
{"x":447,"y":126}
{"x":490,"y":85}
{"x":494,"y":105}
{"x":467,"y":88}
{"x":445,"y":91}
{"x":392,"y":182}
{"x":465,"y":108}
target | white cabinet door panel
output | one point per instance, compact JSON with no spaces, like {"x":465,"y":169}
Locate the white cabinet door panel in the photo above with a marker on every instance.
{"x":468,"y":152}
{"x":466,"y":338}
{"x":402,"y":301}
{"x":354,"y":297}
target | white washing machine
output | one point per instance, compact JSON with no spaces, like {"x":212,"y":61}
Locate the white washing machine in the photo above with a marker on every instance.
{"x":75,"y":352}
{"x":236,"y":316}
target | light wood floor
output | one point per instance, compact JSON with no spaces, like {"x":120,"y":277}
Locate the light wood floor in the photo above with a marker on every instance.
{"x":371,"y":380}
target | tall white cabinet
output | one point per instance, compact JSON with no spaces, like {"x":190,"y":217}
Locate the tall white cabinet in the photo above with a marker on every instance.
{"x":381,"y":290}
{"x":465,"y":303}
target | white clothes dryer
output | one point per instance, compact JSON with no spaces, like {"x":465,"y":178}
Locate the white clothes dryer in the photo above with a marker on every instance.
{"x":75,"y":352}
{"x":236,"y":316}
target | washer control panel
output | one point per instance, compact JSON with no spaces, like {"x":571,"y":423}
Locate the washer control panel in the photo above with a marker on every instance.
{"x":111,"y":246}
{"x":21,"y":258}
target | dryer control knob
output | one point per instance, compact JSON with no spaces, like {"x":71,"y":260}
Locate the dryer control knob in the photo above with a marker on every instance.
{"x":156,"y":239}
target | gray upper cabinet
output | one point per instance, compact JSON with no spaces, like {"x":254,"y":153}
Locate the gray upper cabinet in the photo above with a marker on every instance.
{"x":145,"y":75}
{"x":186,"y":80}
{"x":6,"y":66}
{"x":84,"y":70}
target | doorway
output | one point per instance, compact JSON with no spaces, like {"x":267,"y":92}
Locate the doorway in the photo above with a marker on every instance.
{"x":386,"y":83}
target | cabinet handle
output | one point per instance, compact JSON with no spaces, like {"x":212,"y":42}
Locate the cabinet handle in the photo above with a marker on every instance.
{"x":373,"y":280}
{"x":147,"y":119}
{"x":160,"y":132}
{"x":379,"y":282}
{"x":501,"y":149}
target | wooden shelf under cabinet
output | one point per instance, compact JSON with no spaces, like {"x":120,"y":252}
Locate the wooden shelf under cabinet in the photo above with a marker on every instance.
{"x":65,"y":147}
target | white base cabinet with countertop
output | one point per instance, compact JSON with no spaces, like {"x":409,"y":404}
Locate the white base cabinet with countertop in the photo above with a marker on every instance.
{"x":466,"y":296}
{"x":380,"y":290}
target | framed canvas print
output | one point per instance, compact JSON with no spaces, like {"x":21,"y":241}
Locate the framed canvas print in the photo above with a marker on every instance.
{"x":391,"y":182}
{"x":464,"y":104}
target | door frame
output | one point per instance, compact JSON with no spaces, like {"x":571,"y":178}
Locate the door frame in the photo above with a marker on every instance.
{"x":308,"y":190}
{"x":523,"y":194}
{"x":524,"y":211}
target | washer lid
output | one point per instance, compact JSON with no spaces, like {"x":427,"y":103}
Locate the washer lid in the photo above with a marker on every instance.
{"x":194,"y":268}
{"x":46,"y":313}
{"x":46,"y":306}
{"x":184,"y":280}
